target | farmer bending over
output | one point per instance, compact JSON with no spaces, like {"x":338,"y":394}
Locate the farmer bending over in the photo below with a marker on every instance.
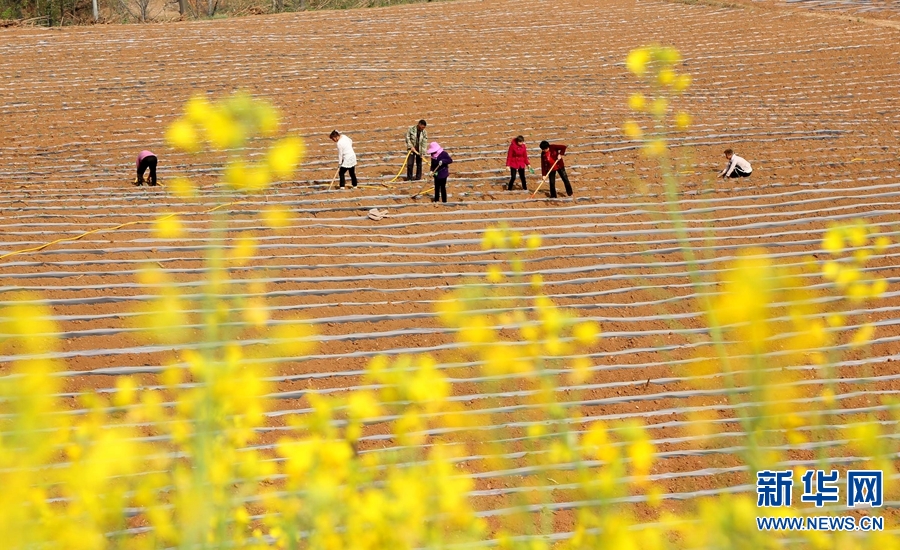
{"x":145,"y":159}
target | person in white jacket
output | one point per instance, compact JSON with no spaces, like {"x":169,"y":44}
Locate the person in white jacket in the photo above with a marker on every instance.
{"x":737,"y":167}
{"x":346,"y":157}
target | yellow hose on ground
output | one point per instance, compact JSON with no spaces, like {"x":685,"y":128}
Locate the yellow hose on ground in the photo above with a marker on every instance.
{"x":408,"y":153}
{"x":102,"y":229}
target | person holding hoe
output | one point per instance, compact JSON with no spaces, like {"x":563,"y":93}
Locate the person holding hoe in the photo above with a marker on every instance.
{"x":552,"y":163}
{"x":416,"y":142}
{"x":346,"y":157}
{"x":440,"y":161}
{"x":145,"y":159}
{"x":516,"y":161}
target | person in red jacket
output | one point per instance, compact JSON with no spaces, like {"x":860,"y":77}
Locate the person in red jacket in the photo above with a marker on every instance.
{"x":517,"y":160}
{"x":551,"y":163}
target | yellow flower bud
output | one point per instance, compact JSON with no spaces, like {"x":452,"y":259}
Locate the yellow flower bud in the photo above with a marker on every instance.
{"x":881,"y":244}
{"x":863,"y":336}
{"x":632,"y":130}
{"x":285,"y":155}
{"x":637,"y":61}
{"x":833,"y":241}
{"x":181,"y":134}
{"x":277,"y":218}
{"x":197,"y":109}
{"x":659,"y":106}
{"x":666,"y":76}
{"x":637,"y":102}
{"x":655,"y":148}
{"x":667,"y":55}
{"x":182,"y":187}
{"x":681,"y":83}
{"x":877,"y":288}
{"x":168,"y":227}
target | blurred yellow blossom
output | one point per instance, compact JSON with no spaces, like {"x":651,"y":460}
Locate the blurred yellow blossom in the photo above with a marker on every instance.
{"x":169,"y":227}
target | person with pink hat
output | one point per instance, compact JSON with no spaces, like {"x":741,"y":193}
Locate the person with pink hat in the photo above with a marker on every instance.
{"x":440,"y":161}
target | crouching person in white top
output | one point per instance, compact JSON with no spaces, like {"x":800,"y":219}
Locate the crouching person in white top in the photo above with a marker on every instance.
{"x":346,"y":157}
{"x":737,"y":167}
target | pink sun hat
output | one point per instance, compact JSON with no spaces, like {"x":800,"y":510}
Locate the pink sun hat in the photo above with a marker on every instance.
{"x":434,"y":149}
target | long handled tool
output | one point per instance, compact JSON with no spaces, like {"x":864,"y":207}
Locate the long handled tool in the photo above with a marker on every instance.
{"x":433,"y":174}
{"x":429,"y":186}
{"x":542,"y":179}
{"x":334,"y":178}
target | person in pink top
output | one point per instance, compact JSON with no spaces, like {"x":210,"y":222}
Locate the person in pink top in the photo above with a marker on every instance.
{"x":517,"y":160}
{"x":146,"y":159}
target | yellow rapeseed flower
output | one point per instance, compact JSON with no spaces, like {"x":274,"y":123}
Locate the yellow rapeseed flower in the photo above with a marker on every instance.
{"x":172,"y":376}
{"x":665,"y":76}
{"x":244,"y":249}
{"x":659,"y":107}
{"x":862,"y":255}
{"x":267,"y":118}
{"x":198,"y":109}
{"x":857,"y":234}
{"x":683,"y":120}
{"x":632,"y":130}
{"x":256,"y":312}
{"x":858,"y":292}
{"x":533,"y":242}
{"x":493,"y":239}
{"x":276,"y":217}
{"x":409,"y":428}
{"x":641,"y":453}
{"x":477,"y":330}
{"x":285,"y":156}
{"x":363,"y":406}
{"x":494,"y":274}
{"x":222,"y":131}
{"x":655,"y":148}
{"x":877,"y":288}
{"x":182,"y":187}
{"x":833,"y":241}
{"x":581,"y":370}
{"x":847,"y":276}
{"x":637,"y":102}
{"x":586,"y":333}
{"x":182,"y":134}
{"x":637,"y":59}
{"x":294,"y":339}
{"x":681,"y":83}
{"x":666,"y":54}
{"x":863,"y":336}
{"x":828,"y":397}
{"x":168,"y":227}
{"x":125,"y":391}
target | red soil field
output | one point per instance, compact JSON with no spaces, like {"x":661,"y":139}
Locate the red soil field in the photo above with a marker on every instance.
{"x":811,"y":101}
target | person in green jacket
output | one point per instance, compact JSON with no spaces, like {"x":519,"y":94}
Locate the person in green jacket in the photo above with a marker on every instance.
{"x":416,"y":143}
